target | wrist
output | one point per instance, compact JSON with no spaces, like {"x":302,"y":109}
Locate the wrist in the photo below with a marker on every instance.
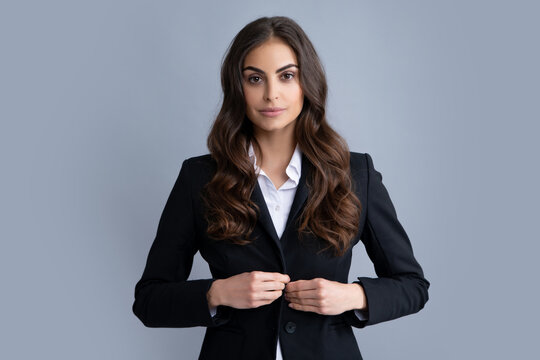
{"x":212,"y":294}
{"x":359,"y":297}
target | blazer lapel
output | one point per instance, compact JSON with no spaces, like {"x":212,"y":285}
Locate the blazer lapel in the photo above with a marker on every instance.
{"x":301,"y":193}
{"x":300,"y":198}
{"x":264,"y":215}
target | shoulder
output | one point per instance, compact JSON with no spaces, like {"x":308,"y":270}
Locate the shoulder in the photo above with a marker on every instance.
{"x":200,"y":160}
{"x":361,"y":161}
{"x":200,"y":166}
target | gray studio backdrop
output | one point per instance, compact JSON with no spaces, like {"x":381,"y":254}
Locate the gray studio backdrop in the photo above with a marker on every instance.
{"x":101,"y":101}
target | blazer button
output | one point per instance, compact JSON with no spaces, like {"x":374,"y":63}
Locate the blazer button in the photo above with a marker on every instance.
{"x":290,"y":327}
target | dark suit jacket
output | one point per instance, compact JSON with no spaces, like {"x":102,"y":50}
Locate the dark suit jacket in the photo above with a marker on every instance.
{"x":165,"y":298}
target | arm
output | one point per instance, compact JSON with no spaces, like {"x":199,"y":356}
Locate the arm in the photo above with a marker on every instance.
{"x":400,"y":288}
{"x":163,"y":296}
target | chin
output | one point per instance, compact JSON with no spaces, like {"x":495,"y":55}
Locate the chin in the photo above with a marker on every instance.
{"x":267,"y":126}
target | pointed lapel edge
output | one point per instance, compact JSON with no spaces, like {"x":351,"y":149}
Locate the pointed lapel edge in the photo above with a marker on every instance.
{"x":301,"y":194}
{"x":264,"y":215}
{"x":300,"y":198}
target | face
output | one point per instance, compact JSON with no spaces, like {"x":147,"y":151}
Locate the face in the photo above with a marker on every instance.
{"x":271,"y":80}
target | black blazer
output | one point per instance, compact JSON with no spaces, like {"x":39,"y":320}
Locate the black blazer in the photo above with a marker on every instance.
{"x":165,"y":298}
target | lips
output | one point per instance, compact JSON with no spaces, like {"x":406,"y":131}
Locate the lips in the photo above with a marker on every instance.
{"x":272,"y":111}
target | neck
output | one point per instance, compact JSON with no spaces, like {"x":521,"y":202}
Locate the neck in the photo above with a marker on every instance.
{"x":277,"y":149}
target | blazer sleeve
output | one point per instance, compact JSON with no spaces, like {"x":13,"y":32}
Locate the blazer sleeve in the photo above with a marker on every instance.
{"x":163,"y":296}
{"x":400,"y":287}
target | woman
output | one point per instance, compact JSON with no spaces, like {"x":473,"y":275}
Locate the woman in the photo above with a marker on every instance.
{"x":275,"y":209}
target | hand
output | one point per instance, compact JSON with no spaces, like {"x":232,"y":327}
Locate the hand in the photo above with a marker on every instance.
{"x":324,"y":296}
{"x":247,"y":290}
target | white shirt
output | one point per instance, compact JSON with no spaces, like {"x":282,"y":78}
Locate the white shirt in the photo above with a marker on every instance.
{"x":279,"y":202}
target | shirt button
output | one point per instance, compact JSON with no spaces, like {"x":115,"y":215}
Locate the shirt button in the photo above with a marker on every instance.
{"x":290,"y":327}
{"x":277,"y":208}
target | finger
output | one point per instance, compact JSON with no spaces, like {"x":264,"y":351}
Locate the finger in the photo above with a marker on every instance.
{"x":267,"y":295}
{"x":284,"y":278}
{"x":300,"y":285}
{"x":311,"y":308}
{"x":304,"y":294}
{"x":311,"y":302}
{"x":294,"y":285}
{"x":269,"y":299}
{"x":271,"y":286}
{"x":270,"y":276}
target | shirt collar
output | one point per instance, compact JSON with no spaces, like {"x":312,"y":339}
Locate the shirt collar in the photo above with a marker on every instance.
{"x":293,"y":170}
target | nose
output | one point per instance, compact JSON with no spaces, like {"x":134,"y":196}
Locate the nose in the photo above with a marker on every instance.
{"x":271,"y":89}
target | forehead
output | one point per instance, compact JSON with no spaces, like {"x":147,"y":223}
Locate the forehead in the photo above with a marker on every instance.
{"x":270,"y":55}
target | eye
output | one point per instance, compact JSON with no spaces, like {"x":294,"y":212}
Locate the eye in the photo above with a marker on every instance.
{"x":289,"y":74}
{"x":250,"y":79}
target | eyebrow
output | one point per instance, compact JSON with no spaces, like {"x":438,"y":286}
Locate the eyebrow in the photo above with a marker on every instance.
{"x":259,"y":70}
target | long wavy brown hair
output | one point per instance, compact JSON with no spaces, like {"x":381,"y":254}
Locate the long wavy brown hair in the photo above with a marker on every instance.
{"x":332,"y":210}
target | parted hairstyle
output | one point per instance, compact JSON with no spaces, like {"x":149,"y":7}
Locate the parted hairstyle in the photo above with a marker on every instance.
{"x":332,"y":210}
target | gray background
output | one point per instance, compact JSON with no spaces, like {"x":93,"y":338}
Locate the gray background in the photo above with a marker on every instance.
{"x":102,"y":100}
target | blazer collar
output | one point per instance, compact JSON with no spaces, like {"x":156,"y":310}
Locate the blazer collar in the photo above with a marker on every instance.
{"x":293,"y":169}
{"x":300,"y":198}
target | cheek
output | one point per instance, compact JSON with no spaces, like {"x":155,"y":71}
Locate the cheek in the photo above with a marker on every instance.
{"x":249,"y":96}
{"x":295,"y":91}
{"x":299,"y":96}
